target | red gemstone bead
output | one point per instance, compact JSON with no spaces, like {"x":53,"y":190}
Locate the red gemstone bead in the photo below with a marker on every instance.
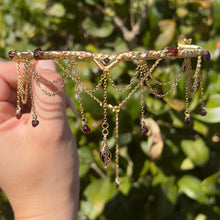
{"x":38,"y":54}
{"x":85,"y":129}
{"x":207,"y":56}
{"x":117,"y":184}
{"x":187,"y":121}
{"x":106,"y":60}
{"x":203,"y":112}
{"x":35,"y":122}
{"x":18,"y":114}
{"x":143,"y":130}
{"x":172,"y":50}
{"x":11,"y":54}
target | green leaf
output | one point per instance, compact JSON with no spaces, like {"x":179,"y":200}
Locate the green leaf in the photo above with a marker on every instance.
{"x":103,"y":30}
{"x":125,"y":138}
{"x":125,"y":185}
{"x":85,"y":159}
{"x":213,"y":101}
{"x":146,"y":168}
{"x":90,"y":2}
{"x":168,"y":30}
{"x":210,"y":184}
{"x":57,"y":10}
{"x":187,"y":164}
{"x":167,"y":198}
{"x":38,"y":4}
{"x":145,"y":147}
{"x":200,"y":127}
{"x":155,"y":106}
{"x":124,"y":153}
{"x":170,"y":190}
{"x":182,"y":12}
{"x":196,"y":150}
{"x":216,"y":8}
{"x":176,"y":121}
{"x":134,"y":101}
{"x":191,"y":187}
{"x":201,"y":216}
{"x":176,"y":104}
{"x":98,"y":193}
{"x":154,"y":16}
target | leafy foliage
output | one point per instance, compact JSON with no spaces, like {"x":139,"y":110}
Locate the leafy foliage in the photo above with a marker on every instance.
{"x":184,"y":182}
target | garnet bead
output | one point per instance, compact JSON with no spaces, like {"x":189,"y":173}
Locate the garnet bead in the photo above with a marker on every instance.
{"x":172,"y":50}
{"x":187,"y":121}
{"x":11,"y":54}
{"x":38,"y":54}
{"x":143,"y":130}
{"x":18,"y":114}
{"x":117,"y":184}
{"x":207,"y":56}
{"x":85,"y":129}
{"x":35,"y":122}
{"x":203,"y":112}
{"x":106,"y":60}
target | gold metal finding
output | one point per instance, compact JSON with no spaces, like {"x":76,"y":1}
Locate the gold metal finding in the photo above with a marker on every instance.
{"x":143,"y":78}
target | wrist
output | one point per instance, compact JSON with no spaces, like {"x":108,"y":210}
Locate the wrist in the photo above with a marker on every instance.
{"x":65,"y":212}
{"x":55,"y":204}
{"x":53,"y":195}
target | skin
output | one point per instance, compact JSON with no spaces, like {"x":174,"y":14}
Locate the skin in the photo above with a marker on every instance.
{"x":38,"y":166}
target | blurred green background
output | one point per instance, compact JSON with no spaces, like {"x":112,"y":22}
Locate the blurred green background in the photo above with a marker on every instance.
{"x":183,"y":184}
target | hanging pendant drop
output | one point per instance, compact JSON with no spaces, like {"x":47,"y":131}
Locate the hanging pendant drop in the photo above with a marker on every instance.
{"x":203,"y":112}
{"x":117,"y":183}
{"x":143,"y":130}
{"x":18,"y":113}
{"x":187,"y":121}
{"x":105,"y":154}
{"x":85,"y":129}
{"x":35,"y":122}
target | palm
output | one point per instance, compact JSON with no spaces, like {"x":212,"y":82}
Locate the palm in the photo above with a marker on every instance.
{"x":32,"y":160}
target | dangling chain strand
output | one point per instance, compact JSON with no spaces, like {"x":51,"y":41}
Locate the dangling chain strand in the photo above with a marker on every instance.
{"x":188,"y":75}
{"x":143,"y":128}
{"x":104,"y":153}
{"x":117,"y":147}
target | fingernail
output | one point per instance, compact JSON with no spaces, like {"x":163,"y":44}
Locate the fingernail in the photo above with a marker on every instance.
{"x":46,"y":64}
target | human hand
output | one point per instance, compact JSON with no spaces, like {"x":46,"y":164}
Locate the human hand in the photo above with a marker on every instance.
{"x":38,"y":166}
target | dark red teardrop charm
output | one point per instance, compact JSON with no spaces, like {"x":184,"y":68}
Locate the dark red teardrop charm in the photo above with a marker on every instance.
{"x":143,"y":130}
{"x":117,"y":184}
{"x":38,"y":54}
{"x":187,"y":121}
{"x":11,"y":54}
{"x":85,"y":129}
{"x":35,"y":122}
{"x":18,"y":114}
{"x":203,"y":112}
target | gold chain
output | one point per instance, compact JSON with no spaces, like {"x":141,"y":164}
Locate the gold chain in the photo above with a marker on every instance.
{"x":105,"y":62}
{"x":105,"y":124}
{"x":197,"y":76}
{"x":117,"y":110}
{"x":127,"y":87}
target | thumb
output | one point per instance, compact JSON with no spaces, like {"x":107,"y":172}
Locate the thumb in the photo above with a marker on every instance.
{"x":49,"y":98}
